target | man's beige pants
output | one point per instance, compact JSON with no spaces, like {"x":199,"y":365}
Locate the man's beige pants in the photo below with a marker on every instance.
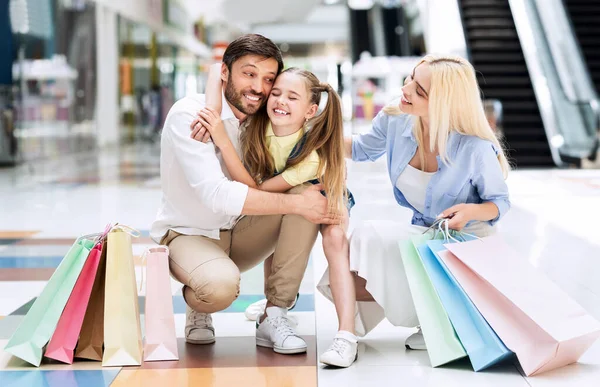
{"x":210,"y":269}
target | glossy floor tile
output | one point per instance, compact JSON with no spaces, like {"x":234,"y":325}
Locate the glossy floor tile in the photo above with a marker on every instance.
{"x":233,"y":352}
{"x":553,"y":223}
{"x":383,"y":375}
{"x":220,"y":377}
{"x":16,"y":235}
{"x":305,"y":303}
{"x":67,"y":378}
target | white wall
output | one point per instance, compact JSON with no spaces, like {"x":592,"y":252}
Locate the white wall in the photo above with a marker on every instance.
{"x":323,"y":24}
{"x":107,"y":102}
{"x":442,"y":27}
{"x":141,"y":11}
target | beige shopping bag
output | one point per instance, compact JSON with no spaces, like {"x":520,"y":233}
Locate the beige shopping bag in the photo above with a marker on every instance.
{"x":122,"y":329}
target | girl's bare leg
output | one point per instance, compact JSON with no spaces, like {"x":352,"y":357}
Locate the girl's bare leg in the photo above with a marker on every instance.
{"x":336,"y":248}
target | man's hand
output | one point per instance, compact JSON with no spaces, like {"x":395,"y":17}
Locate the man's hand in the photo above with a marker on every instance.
{"x":315,"y":208}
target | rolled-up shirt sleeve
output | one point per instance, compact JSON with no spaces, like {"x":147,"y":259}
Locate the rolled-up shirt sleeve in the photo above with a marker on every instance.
{"x":372,"y":144}
{"x":490,"y":182}
{"x":202,"y":169}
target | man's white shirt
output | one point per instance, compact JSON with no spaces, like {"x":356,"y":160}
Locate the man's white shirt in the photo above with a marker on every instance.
{"x":198,"y":196}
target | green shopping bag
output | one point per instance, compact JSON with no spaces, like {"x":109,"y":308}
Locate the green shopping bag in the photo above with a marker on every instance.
{"x":443,"y":346}
{"x":38,"y":325}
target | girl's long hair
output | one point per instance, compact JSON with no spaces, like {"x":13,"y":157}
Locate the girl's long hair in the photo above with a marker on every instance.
{"x":325,"y":136}
{"x":454,"y":104}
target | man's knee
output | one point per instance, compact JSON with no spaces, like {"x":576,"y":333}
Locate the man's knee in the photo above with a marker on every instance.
{"x":299,"y":188}
{"x":213,"y":286}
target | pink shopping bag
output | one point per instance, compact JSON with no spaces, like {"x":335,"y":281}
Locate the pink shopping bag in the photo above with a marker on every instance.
{"x":530,"y":313}
{"x":63,"y":341}
{"x":160,"y":343}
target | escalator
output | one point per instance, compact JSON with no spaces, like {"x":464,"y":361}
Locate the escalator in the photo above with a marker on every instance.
{"x":496,"y":54}
{"x":585,"y":17}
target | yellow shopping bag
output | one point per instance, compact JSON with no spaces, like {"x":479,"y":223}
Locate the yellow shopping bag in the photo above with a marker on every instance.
{"x":122,"y":329}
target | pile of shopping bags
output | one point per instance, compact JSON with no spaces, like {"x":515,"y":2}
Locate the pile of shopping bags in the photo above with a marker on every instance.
{"x":89,"y":307}
{"x":478,"y":298}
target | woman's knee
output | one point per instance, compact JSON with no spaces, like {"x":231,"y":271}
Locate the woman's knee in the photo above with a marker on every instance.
{"x":364,"y":233}
{"x":214,"y":286}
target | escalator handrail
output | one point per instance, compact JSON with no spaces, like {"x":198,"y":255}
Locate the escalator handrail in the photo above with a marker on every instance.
{"x":523,"y":26}
{"x":572,"y":70}
{"x":548,"y":89}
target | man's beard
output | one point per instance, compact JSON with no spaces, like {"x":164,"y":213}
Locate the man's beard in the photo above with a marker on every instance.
{"x":236,"y":98}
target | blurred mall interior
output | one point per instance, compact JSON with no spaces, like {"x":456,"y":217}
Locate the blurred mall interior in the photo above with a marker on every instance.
{"x":86,"y":85}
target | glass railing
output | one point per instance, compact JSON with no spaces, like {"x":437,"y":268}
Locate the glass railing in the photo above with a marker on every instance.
{"x":566,"y":98}
{"x":574,"y":77}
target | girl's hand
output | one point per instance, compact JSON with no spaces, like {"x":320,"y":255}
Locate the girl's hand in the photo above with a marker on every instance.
{"x":213,"y":124}
{"x":199,"y":132}
{"x":459,"y":215}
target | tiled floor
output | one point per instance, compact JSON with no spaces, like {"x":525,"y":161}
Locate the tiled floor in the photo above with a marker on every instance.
{"x":44,"y":207}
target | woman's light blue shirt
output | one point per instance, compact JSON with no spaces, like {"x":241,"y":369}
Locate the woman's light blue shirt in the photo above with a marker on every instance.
{"x":472,"y":176}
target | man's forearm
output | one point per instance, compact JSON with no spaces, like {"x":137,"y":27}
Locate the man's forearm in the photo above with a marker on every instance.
{"x":267,"y":203}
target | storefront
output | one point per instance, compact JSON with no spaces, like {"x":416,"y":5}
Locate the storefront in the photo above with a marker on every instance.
{"x":154,"y":72}
{"x":49,"y":105}
{"x":76,"y":75}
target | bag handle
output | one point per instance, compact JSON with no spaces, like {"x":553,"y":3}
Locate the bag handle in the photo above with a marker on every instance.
{"x":129,"y":230}
{"x":99,"y":236}
{"x":448,"y":234}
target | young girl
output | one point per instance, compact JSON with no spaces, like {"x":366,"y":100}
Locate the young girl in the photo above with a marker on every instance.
{"x":286,"y":144}
{"x":444,"y":161}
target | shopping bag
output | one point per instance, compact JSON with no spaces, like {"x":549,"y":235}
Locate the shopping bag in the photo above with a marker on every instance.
{"x":160,"y":342}
{"x":531,"y":314}
{"x":91,"y":337}
{"x":39,"y":323}
{"x":122,"y":330}
{"x":63,"y":341}
{"x":443,"y":346}
{"x":481,"y":343}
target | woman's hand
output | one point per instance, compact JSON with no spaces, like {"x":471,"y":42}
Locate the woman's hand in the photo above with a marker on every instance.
{"x":459,"y":215}
{"x":210,"y":120}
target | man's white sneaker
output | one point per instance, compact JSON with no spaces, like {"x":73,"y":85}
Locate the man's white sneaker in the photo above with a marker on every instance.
{"x":343,"y":352}
{"x":198,"y":327}
{"x":258,"y":308}
{"x":416,"y":341}
{"x":277,"y":332}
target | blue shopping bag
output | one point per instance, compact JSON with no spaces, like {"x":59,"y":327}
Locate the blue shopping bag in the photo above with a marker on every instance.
{"x":481,"y":343}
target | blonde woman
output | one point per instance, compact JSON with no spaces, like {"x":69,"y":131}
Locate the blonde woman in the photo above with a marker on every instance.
{"x":443,"y":161}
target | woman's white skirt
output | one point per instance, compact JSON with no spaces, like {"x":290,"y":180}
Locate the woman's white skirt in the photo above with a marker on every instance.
{"x":375,"y":256}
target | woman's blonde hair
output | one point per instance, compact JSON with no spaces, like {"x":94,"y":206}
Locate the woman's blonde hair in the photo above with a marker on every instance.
{"x":454,"y":104}
{"x":325,"y":136}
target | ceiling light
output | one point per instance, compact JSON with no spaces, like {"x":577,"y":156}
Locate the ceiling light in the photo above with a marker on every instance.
{"x":360,"y":4}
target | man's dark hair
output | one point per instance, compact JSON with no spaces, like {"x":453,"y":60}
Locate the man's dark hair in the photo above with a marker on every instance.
{"x":252,"y":44}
